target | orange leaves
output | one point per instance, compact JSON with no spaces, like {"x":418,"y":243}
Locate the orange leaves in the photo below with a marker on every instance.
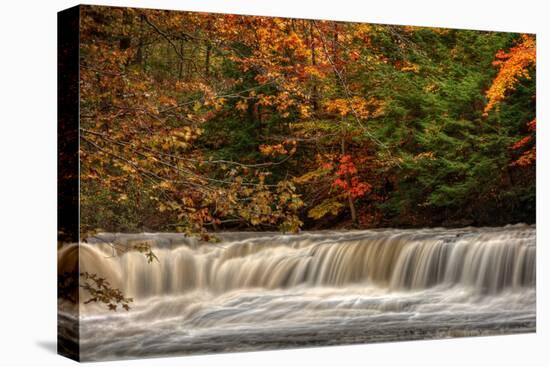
{"x":242,"y":106}
{"x":283,"y":101}
{"x":312,"y":71}
{"x":358,"y":106}
{"x":521,"y":143}
{"x":272,"y":149}
{"x":527,"y":158}
{"x":167,"y":101}
{"x":265,"y":100}
{"x":296,"y":44}
{"x":286,"y":147}
{"x":513,"y":65}
{"x":305,"y":111}
{"x":338,"y":106}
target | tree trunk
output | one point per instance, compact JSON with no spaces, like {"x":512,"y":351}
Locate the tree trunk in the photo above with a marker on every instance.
{"x":315,"y":91}
{"x":207,"y":61}
{"x":180,"y":71}
{"x":351,"y":203}
{"x":139,"y":54}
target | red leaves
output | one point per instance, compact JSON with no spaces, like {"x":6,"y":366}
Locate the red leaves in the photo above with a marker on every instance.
{"x":358,"y":188}
{"x":521,"y":143}
{"x":348,"y":180}
{"x":340,"y":183}
{"x":346,"y":166}
{"x":529,"y":155}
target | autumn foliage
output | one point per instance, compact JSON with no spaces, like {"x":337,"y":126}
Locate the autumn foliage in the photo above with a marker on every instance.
{"x":517,"y":63}
{"x":195,"y":122}
{"x":513,"y":65}
{"x":348,"y":180}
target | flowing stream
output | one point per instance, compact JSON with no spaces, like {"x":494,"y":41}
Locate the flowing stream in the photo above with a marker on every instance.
{"x":254,"y":291}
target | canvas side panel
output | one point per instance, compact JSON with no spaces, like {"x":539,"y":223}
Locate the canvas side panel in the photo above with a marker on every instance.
{"x":68,"y":181}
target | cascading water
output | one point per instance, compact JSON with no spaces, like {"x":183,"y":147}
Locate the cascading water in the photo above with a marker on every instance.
{"x":263,"y":290}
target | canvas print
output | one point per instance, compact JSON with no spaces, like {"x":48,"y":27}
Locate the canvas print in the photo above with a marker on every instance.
{"x":240,"y":183}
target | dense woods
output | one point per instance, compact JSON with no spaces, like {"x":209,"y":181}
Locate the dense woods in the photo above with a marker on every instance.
{"x":197,"y":122}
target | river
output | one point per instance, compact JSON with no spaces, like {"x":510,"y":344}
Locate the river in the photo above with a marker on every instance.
{"x":265,"y":290}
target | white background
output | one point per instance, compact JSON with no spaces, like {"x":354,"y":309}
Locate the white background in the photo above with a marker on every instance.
{"x":28,"y":182}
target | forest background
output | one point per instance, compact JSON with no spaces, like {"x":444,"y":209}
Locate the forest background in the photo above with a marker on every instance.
{"x":194,"y":122}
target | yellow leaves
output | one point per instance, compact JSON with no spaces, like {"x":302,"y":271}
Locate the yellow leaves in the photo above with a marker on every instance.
{"x":361,"y":107}
{"x":286,"y":147}
{"x":162,"y":207}
{"x":362,"y":31}
{"x":265,"y":100}
{"x":283,"y":102}
{"x":408,"y":66}
{"x":425,"y":155}
{"x":179,"y":139}
{"x":430,"y":88}
{"x":187,"y":133}
{"x":280,"y":23}
{"x":329,"y":206}
{"x":513,"y":65}
{"x":217,"y":103}
{"x":272,"y":149}
{"x":311,"y":176}
{"x":295,"y":43}
{"x":305,"y":111}
{"x":412,"y":29}
{"x":242,"y":106}
{"x":167,"y":100}
{"x":338,"y":106}
{"x":264,"y":204}
{"x":197,"y":106}
{"x":358,"y":106}
{"x":166,"y":185}
{"x":313,"y":72}
{"x":127,"y":168}
{"x":171,"y":206}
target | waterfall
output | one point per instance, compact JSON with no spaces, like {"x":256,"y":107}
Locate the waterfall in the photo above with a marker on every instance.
{"x":488,"y":260}
{"x":253,"y":291}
